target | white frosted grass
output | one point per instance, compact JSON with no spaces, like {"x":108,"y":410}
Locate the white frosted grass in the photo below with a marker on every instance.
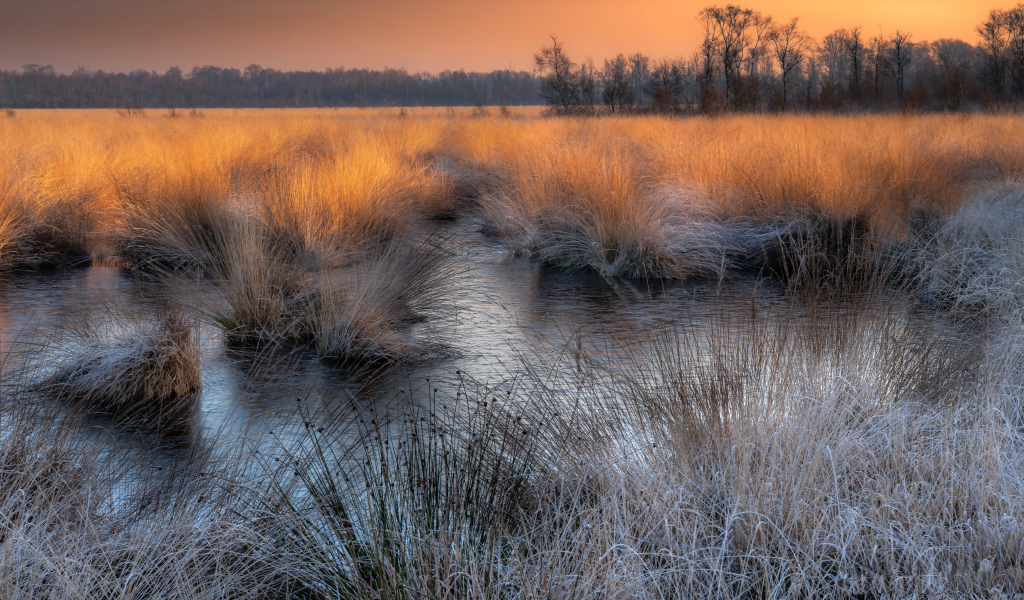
{"x":973,"y":259}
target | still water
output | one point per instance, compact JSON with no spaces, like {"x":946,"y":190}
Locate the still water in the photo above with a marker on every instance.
{"x":504,"y":314}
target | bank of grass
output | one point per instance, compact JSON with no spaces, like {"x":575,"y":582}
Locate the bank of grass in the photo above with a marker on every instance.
{"x":582,"y":191}
{"x":643,"y":197}
{"x":855,"y":453}
{"x":686,"y":485}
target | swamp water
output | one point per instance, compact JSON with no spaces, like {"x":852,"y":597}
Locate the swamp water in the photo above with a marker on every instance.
{"x":508,"y":319}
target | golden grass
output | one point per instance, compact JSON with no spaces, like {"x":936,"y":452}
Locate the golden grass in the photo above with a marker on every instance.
{"x":643,"y":196}
{"x":273,"y":203}
{"x":249,"y":198}
{"x":664,"y":197}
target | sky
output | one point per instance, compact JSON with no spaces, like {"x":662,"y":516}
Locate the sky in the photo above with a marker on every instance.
{"x":417,"y":35}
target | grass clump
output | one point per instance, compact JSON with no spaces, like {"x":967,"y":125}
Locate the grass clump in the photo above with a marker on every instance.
{"x":366,"y":311}
{"x":38,"y":235}
{"x":971,"y":260}
{"x":143,"y":369}
{"x":586,"y":208}
{"x":356,"y":306}
{"x":418,"y":505}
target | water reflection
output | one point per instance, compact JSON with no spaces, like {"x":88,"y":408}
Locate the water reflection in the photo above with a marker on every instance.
{"x":509,"y":315}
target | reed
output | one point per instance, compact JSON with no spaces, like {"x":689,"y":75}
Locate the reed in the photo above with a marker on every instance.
{"x":587,"y":208}
{"x":643,"y":197}
{"x":355,"y":306}
{"x":592,"y":192}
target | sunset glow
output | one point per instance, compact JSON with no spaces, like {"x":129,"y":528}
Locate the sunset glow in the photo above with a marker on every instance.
{"x":124,"y":35}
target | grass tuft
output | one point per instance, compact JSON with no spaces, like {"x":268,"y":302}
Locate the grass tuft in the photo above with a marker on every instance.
{"x":142,"y":369}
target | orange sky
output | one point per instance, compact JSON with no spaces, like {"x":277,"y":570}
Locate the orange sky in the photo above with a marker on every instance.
{"x":418,"y":35}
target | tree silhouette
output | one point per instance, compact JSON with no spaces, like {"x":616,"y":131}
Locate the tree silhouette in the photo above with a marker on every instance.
{"x":560,"y":83}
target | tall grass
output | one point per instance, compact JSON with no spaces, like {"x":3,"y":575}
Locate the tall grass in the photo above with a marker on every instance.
{"x":971,"y":260}
{"x":593,"y":192}
{"x":312,"y":237}
{"x":638,"y":197}
{"x":584,"y":207}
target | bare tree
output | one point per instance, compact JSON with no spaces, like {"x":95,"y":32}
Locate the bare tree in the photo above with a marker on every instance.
{"x":882,"y":66}
{"x":763,"y":27}
{"x":953,"y":59}
{"x":667,"y":85}
{"x":833,"y":55}
{"x":900,"y":56}
{"x":615,"y":82}
{"x":790,"y":48}
{"x":639,"y":72}
{"x":855,"y":51}
{"x":560,"y":86}
{"x":757,"y":59}
{"x":707,"y":52}
{"x":730,"y":24}
{"x":1013,"y":23}
{"x":995,"y":43}
{"x":588,"y":85}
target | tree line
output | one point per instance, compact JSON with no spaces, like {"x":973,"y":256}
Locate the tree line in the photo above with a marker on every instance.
{"x":38,"y":86}
{"x":748,"y":61}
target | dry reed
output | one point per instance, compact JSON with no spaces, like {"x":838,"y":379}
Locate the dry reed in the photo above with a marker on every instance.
{"x":645,"y":196}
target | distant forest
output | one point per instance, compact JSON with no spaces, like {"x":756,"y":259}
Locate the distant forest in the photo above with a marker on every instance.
{"x":37,"y":86}
{"x":746,"y":61}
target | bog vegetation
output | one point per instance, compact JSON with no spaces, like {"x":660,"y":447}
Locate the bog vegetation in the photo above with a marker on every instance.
{"x":860,"y":437}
